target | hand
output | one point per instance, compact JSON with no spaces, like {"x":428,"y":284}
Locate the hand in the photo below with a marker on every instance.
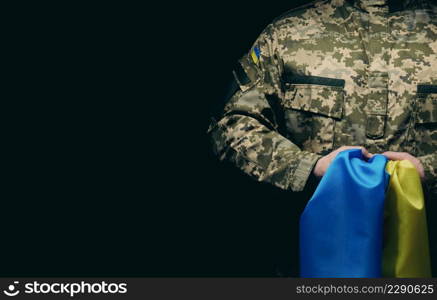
{"x":324,"y":162}
{"x":406,"y":156}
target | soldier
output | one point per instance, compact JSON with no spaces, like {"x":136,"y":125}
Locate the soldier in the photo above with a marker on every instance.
{"x":333,"y":75}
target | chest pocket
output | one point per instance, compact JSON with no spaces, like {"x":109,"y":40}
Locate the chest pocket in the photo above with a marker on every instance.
{"x":425,"y":128}
{"x":312,"y":106}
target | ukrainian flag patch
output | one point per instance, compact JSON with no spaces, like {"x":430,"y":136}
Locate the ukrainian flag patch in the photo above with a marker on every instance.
{"x":256,"y":52}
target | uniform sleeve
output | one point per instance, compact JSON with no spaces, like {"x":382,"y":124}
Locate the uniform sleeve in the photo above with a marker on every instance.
{"x":247,"y":134}
{"x":429,"y":163}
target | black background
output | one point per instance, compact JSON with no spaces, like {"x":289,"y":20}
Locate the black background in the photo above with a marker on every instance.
{"x":113,"y":174}
{"x":108,"y":169}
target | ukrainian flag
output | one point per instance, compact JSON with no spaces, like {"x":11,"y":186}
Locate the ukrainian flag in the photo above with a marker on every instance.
{"x":366,"y":219}
{"x":341,"y":226}
{"x":406,"y":246}
{"x":255,"y":54}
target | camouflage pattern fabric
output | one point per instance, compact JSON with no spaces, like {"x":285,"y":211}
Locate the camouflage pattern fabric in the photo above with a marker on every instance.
{"x":329,"y":74}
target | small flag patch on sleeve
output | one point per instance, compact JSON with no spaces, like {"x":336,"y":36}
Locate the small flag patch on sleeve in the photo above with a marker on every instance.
{"x":256,"y":52}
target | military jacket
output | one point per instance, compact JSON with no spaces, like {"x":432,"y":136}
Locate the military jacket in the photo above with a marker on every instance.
{"x":330,"y":74}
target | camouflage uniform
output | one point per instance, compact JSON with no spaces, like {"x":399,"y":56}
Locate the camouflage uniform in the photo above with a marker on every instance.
{"x":329,"y":74}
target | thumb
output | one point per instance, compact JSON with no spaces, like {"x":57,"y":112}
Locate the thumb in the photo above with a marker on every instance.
{"x":366,"y":153}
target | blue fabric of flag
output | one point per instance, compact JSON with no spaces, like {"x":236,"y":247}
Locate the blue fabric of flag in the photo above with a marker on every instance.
{"x":341,"y":228}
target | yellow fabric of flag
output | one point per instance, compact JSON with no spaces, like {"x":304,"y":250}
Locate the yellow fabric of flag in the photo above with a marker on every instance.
{"x":406,"y":246}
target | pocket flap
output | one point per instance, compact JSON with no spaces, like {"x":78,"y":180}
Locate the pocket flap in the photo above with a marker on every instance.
{"x":426,"y":88}
{"x":319,"y":99}
{"x":317,"y":80}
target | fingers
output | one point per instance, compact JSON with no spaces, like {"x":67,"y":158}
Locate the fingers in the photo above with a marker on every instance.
{"x":420,"y":170}
{"x":320,"y":167}
{"x":344,"y":148}
{"x":364,"y":151}
{"x":324,"y":162}
{"x":391,"y":155}
{"x":406,"y":156}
